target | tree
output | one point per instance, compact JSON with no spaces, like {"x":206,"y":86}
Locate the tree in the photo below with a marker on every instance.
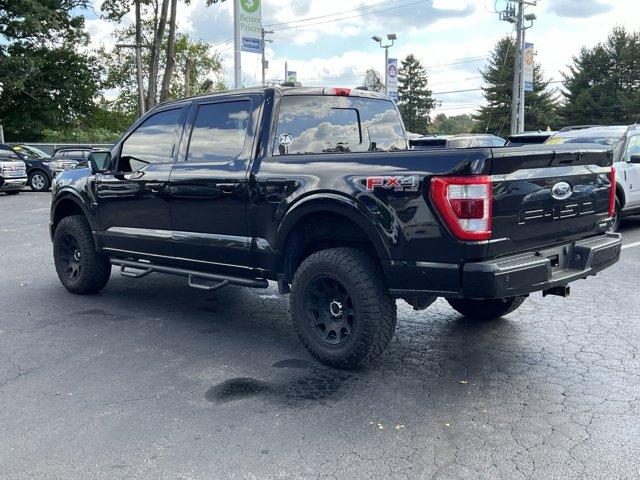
{"x":602,"y":85}
{"x":414,"y":98}
{"x":452,"y":125}
{"x":46,"y":80}
{"x":152,"y":18}
{"x":373,"y":81}
{"x":541,"y":105}
{"x":203,"y":65}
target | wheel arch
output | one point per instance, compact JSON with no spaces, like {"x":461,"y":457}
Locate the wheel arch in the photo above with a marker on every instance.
{"x":68,"y":203}
{"x":40,"y":169}
{"x":620,"y":195}
{"x":349,"y":221}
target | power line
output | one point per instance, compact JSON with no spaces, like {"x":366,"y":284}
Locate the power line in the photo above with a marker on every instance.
{"x":352,"y":16}
{"x":366,"y":7}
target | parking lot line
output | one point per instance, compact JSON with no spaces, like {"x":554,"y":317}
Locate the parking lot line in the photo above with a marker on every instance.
{"x":634,"y":244}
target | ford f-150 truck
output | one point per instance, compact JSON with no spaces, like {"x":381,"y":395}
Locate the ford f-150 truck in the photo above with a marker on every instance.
{"x":317,"y":190}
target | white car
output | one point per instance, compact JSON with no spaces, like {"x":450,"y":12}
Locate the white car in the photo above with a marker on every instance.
{"x":625,"y":141}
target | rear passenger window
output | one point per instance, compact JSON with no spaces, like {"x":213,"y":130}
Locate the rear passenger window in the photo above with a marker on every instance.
{"x":337,"y":124}
{"x":152,"y":142}
{"x":219,"y":132}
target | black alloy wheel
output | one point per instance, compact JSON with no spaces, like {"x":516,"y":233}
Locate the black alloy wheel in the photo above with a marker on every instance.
{"x":70,"y":256}
{"x":329,"y":310}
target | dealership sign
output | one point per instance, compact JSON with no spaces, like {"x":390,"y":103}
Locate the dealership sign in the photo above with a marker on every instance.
{"x":249,"y":25}
{"x":392,"y":78}
{"x":527,"y":61}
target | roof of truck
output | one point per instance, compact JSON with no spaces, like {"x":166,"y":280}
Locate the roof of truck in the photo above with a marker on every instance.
{"x":289,"y":91}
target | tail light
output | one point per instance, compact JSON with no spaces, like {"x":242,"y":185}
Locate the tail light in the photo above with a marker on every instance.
{"x":612,"y":193}
{"x":464,"y":203}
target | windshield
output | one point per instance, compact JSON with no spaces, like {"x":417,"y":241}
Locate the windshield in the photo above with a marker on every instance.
{"x":30,"y":152}
{"x":612,"y":137}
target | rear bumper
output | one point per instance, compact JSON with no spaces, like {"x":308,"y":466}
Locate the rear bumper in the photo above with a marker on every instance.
{"x":12,"y":183}
{"x":510,"y":276}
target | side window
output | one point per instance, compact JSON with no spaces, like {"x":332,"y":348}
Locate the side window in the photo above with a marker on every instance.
{"x":633,"y":147}
{"x":152,"y":142}
{"x":219,"y":132}
{"x":60,"y":154}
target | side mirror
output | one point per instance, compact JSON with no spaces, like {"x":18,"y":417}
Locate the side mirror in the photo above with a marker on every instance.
{"x":635,"y":158}
{"x":99,"y":161}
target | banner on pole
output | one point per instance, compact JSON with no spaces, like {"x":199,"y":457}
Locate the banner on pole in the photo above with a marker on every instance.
{"x":528,"y":67}
{"x":392,"y":78}
{"x":292,"y":76}
{"x":249,"y":25}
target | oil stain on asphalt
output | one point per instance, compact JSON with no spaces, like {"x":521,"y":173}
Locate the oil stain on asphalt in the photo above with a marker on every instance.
{"x":317,"y":385}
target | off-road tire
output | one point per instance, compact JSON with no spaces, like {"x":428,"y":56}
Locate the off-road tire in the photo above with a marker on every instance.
{"x":373,"y":310}
{"x":39,"y":187}
{"x":486,"y":309}
{"x":94,"y":269}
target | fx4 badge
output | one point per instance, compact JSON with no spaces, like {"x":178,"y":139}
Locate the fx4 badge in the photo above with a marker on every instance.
{"x":409,"y":183}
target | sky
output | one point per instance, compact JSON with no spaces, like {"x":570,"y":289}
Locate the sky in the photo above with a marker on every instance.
{"x":328,"y":42}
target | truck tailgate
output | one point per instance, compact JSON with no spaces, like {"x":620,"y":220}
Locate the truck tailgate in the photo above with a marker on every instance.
{"x":547,"y":195}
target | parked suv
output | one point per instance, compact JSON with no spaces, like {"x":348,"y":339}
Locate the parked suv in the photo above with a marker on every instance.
{"x":317,"y":190}
{"x":78,"y":154}
{"x":625,"y":141}
{"x":13,"y":172}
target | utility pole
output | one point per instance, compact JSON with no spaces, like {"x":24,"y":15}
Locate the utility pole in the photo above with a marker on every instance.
{"x":138,"y":48}
{"x":514,"y":13}
{"x":286,"y":71}
{"x":265,"y":62}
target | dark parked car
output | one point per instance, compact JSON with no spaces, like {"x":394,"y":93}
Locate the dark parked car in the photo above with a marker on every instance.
{"x":41,"y":167}
{"x":625,"y":141}
{"x":528,"y":138}
{"x":13,"y":172}
{"x":317,"y":190}
{"x":456,"y":141}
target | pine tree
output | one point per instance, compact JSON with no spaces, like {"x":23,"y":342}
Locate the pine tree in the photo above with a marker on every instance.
{"x":415,"y":100}
{"x":541,"y":110}
{"x":603,"y":86}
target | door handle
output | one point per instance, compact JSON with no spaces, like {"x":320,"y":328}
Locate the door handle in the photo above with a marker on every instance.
{"x":156,"y":187}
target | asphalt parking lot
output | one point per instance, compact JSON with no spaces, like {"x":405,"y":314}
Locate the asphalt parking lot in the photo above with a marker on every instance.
{"x":153,"y":380}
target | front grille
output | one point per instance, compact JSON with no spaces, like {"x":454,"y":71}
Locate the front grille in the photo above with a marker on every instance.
{"x":13,"y":169}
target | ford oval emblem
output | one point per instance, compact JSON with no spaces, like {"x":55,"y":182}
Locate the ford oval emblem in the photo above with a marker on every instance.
{"x":561,"y":191}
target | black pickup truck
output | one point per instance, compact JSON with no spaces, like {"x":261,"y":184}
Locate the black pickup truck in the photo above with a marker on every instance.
{"x":317,"y":190}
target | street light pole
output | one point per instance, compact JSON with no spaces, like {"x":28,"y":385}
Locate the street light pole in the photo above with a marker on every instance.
{"x":392,"y":37}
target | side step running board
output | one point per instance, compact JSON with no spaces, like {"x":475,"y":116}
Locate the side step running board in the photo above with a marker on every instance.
{"x":200,"y":280}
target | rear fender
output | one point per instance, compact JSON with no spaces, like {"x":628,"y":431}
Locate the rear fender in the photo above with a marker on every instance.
{"x":338,"y":204}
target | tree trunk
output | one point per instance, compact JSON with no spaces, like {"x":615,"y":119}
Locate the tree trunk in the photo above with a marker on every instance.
{"x":171,"y":61}
{"x":139,"y":60}
{"x":155,"y":55}
{"x":187,"y":77}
